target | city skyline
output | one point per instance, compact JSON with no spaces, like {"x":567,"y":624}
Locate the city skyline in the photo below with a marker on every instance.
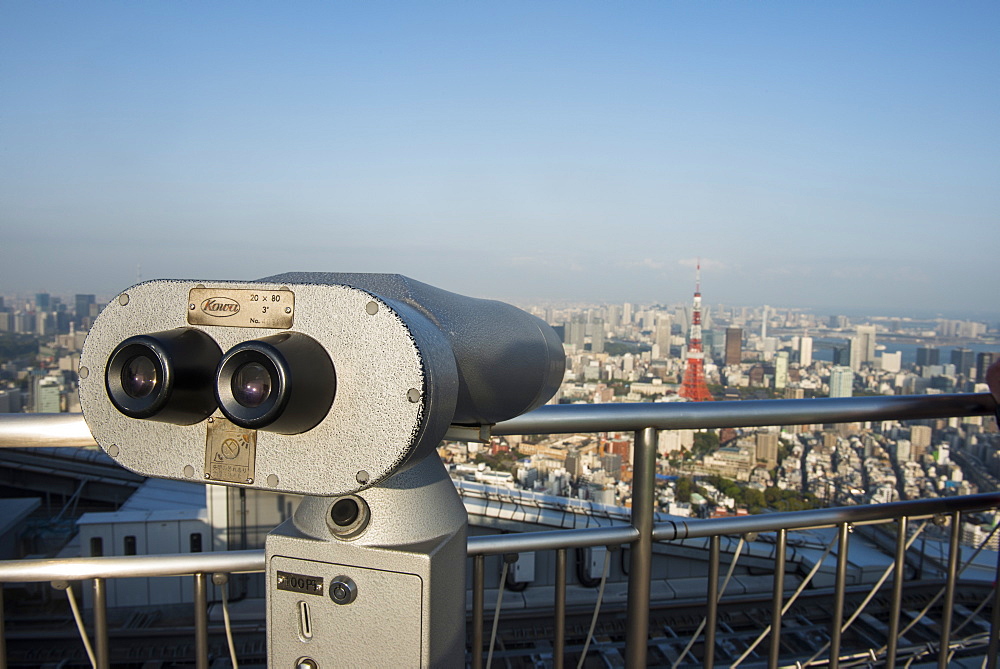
{"x":838,"y":158}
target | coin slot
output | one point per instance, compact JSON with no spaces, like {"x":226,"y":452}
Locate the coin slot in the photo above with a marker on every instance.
{"x":305,"y":622}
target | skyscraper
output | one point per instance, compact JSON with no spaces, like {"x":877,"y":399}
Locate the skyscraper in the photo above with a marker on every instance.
{"x":805,"y":351}
{"x":780,"y":370}
{"x":83,"y":303}
{"x":767,"y":447}
{"x":663,"y":326}
{"x":734,"y":346}
{"x":983,"y":362}
{"x":927,"y":356}
{"x":866,"y":343}
{"x":841,"y":382}
{"x":597,"y":335}
{"x":964,"y":360}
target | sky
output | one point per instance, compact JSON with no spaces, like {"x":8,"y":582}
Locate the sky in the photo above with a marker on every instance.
{"x":827,"y":155}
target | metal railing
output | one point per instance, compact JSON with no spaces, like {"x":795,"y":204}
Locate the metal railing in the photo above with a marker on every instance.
{"x":645,"y":420}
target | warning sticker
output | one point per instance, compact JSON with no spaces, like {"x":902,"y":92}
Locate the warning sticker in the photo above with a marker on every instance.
{"x":230,"y":452}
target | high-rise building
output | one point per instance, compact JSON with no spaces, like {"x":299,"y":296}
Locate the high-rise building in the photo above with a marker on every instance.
{"x":920,"y":440}
{"x":780,"y":370}
{"x":46,"y":395}
{"x":866,"y":343}
{"x":627,"y":313}
{"x":734,"y":346}
{"x":663,"y":326}
{"x":763,"y":321}
{"x":983,"y":362}
{"x":576,"y":332}
{"x":597,"y":335}
{"x":892,"y":362}
{"x":964,"y":360}
{"x":928,"y":356}
{"x":43,"y":302}
{"x":767,"y":447}
{"x":841,"y":382}
{"x":574,"y":463}
{"x":805,"y":351}
{"x":83,"y":303}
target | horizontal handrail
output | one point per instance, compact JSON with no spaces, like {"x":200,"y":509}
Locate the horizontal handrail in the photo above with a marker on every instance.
{"x":33,"y":430}
{"x":175,"y":564}
{"x":69,"y":429}
{"x":627,"y":417}
{"x":524,"y":542}
{"x":683,"y":528}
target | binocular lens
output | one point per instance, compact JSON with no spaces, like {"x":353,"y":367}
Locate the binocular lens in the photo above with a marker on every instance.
{"x":164,"y":376}
{"x":139,"y":377}
{"x":283,"y":383}
{"x":252,"y":384}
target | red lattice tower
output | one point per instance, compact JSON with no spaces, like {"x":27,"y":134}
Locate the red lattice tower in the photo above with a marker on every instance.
{"x":693,"y":387}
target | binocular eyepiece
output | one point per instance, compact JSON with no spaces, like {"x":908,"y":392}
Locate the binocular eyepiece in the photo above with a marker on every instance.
{"x":319,"y":384}
{"x":181,"y":376}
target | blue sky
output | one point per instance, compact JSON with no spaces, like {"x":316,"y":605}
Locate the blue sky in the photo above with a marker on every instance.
{"x":825,"y":155}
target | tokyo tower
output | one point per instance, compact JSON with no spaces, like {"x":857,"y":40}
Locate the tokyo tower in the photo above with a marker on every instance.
{"x":693,"y":386}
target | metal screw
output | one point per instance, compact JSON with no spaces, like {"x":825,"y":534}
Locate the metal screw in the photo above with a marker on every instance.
{"x":272,"y":480}
{"x":211,"y":420}
{"x":188,"y":471}
{"x":362,"y":477}
{"x":191,"y":306}
{"x":113,"y":450}
{"x":207,"y":475}
{"x":84,"y":372}
{"x":123,"y":299}
{"x":249,"y":481}
{"x":288,"y":310}
{"x":372,"y":308}
{"x":413,"y":395}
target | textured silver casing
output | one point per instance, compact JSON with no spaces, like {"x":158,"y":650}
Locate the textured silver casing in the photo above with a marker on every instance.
{"x":374,"y":426}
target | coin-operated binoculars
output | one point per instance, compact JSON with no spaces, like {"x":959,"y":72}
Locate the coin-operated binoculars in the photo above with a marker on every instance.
{"x":338,"y":387}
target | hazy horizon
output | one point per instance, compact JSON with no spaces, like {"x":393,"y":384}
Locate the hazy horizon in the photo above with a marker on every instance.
{"x":812,"y":155}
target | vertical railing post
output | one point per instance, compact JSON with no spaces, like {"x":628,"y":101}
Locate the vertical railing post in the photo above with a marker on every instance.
{"x":559,"y":652}
{"x":101,"y":649}
{"x":994,"y":648}
{"x":949,"y":593}
{"x":3,"y":634}
{"x":777,"y":598}
{"x":898,"y":577}
{"x":712,"y":617}
{"x":478,"y":594}
{"x":838,"y":596}
{"x":640,"y":568}
{"x":200,"y":621}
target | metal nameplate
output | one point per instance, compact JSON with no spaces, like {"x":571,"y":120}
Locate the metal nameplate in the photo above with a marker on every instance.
{"x":241,"y":308}
{"x":300,"y":583}
{"x":230,"y":452}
